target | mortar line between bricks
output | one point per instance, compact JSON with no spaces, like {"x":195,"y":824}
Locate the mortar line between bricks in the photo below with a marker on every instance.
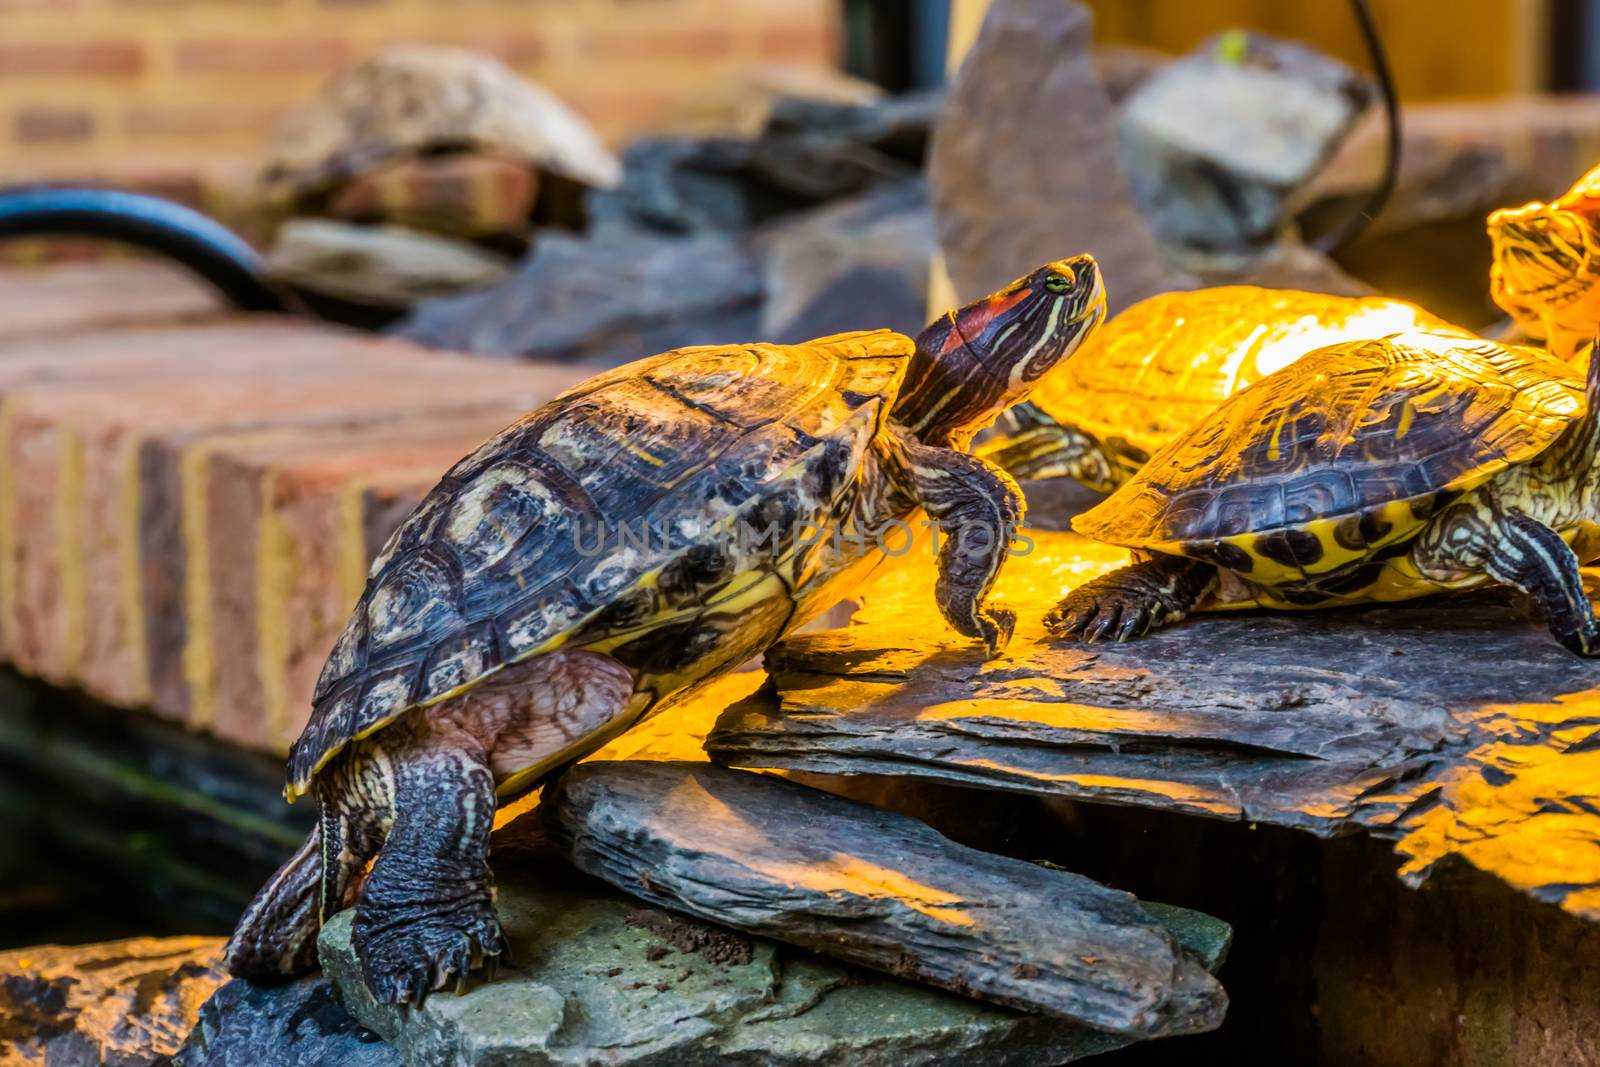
{"x":272,"y":637}
{"x":199,"y":657}
{"x":132,"y":579}
{"x":71,"y":516}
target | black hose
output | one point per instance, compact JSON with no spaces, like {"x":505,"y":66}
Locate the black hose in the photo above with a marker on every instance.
{"x":1351,"y":228}
{"x":210,"y":250}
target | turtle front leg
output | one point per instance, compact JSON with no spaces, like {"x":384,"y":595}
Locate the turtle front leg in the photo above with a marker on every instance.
{"x":426,"y":914}
{"x":1528,"y":555}
{"x":1132,"y":600}
{"x":977,"y":509}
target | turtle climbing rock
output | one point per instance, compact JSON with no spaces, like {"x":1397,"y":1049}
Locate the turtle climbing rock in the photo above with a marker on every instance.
{"x":1167,"y":362}
{"x":636,"y":536}
{"x":1546,"y":269}
{"x":1375,"y":470}
{"x":439,"y":139}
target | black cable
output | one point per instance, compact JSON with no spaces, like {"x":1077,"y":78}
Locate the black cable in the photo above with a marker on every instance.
{"x":1351,"y":228}
{"x":210,"y":250}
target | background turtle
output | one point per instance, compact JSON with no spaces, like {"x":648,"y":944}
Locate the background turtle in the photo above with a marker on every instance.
{"x":644,"y":531}
{"x":1167,"y":362}
{"x":1546,"y":269}
{"x":443,"y":140}
{"x":1370,"y":470}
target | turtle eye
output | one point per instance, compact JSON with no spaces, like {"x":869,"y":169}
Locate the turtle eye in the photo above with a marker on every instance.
{"x":1058,"y":282}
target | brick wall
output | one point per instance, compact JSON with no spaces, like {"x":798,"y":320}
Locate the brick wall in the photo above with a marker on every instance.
{"x":189,"y":500}
{"x":157,"y":89}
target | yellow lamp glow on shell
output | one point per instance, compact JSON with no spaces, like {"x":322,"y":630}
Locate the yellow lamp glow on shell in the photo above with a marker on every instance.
{"x":1167,"y":362}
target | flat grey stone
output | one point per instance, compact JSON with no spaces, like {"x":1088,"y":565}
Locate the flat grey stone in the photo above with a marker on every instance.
{"x":381,"y":266}
{"x":606,"y":299}
{"x":808,"y":153}
{"x":1023,"y":166}
{"x":601,"y":979}
{"x":882,"y":890}
{"x":859,"y":264}
{"x":1455,"y":727}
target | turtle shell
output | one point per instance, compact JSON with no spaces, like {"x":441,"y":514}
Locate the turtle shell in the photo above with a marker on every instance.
{"x":608,"y":520}
{"x":1168,"y":361}
{"x":414,"y":100}
{"x":1349,"y":450}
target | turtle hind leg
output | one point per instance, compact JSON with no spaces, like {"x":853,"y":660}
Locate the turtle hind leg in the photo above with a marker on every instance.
{"x":276,"y":937}
{"x":1132,"y":600}
{"x":426,"y":914}
{"x":1528,"y":555}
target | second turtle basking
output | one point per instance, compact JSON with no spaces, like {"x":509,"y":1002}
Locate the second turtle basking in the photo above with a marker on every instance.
{"x":633,"y":538}
{"x":1167,"y":362}
{"x":1376,"y":470}
{"x":1546,"y":271}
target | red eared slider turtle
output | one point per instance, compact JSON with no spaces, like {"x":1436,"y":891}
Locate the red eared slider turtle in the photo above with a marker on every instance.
{"x":1546,"y":271}
{"x":1167,"y":362}
{"x":1372,"y":470}
{"x":634,"y":537}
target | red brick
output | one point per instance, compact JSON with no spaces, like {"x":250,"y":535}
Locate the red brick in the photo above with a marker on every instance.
{"x":200,"y":121}
{"x":52,"y":124}
{"x":88,"y":295}
{"x":805,"y":43}
{"x":638,"y":43}
{"x":70,"y":58}
{"x":249,"y":55}
{"x":513,"y":49}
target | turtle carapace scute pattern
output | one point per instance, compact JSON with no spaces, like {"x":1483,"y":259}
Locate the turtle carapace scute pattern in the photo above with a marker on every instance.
{"x":1377,"y":470}
{"x":1166,"y":363}
{"x":645,"y":531}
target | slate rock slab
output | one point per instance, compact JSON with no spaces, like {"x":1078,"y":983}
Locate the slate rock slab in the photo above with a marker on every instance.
{"x":605,"y":299}
{"x":1023,"y":164}
{"x":1455,"y":727}
{"x":294,"y":1024}
{"x":859,"y":264}
{"x":882,"y":890}
{"x":117,"y":1003}
{"x":809,"y":152}
{"x":599,"y":979}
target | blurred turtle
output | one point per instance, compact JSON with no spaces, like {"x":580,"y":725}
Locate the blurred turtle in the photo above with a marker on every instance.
{"x":1374,"y":470}
{"x":501,"y":636}
{"x":440,"y":139}
{"x":1167,"y":362}
{"x":1546,"y":271}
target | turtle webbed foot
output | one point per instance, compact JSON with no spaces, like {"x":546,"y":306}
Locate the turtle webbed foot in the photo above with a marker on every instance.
{"x":403,"y":961}
{"x":1131,"y":601}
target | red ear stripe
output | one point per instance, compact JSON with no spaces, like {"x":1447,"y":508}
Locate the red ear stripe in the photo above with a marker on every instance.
{"x":974,"y":320}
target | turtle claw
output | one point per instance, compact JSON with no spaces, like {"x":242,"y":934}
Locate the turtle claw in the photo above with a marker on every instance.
{"x":1129,"y":602}
{"x":403,"y":964}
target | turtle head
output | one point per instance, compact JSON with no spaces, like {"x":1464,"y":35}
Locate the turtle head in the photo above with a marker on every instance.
{"x":973,"y":363}
{"x":1546,"y":270}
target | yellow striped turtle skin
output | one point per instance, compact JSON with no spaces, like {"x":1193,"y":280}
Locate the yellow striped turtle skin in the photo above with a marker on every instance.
{"x":1167,"y":362}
